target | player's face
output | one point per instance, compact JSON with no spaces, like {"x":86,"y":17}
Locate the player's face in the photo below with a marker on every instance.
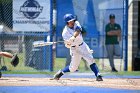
{"x":71,"y":24}
{"x":112,"y":20}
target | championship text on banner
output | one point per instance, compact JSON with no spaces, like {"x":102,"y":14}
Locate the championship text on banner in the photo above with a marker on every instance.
{"x":31,"y":15}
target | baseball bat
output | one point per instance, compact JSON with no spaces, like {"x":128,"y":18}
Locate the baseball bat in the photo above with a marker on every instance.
{"x":42,"y":43}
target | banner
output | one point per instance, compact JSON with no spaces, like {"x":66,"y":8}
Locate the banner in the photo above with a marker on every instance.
{"x":83,"y":9}
{"x":93,"y":16}
{"x":31,"y":15}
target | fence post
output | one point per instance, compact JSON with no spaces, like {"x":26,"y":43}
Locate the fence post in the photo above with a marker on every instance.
{"x":126,"y":34}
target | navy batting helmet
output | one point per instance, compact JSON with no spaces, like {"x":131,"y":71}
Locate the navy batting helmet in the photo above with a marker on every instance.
{"x":69,"y":17}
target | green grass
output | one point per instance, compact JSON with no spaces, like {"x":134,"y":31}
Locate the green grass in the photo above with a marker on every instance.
{"x":22,"y":69}
{"x":20,"y":66}
{"x":58,"y":64}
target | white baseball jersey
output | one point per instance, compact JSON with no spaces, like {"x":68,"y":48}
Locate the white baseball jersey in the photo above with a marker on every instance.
{"x":78,"y":48}
{"x":68,"y":33}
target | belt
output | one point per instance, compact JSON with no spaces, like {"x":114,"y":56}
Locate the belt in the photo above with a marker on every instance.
{"x":79,"y":45}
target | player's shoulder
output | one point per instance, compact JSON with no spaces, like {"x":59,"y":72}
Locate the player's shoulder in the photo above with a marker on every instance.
{"x":108,"y":24}
{"x":77,"y":22}
{"x":117,"y":24}
{"x":64,"y":30}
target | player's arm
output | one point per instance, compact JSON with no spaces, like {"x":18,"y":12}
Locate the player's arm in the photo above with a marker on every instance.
{"x":14,"y":60}
{"x":66,"y":39}
{"x":78,"y":30}
{"x":114,"y":33}
{"x":68,"y":42}
{"x":76,"y":33}
{"x":119,"y":35}
{"x":6,"y":54}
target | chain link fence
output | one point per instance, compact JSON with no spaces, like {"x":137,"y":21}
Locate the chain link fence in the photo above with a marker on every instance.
{"x":30,"y":58}
{"x":37,"y":58}
{"x":93,"y":16}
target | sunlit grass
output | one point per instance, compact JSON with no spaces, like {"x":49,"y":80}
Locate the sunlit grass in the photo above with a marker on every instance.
{"x":59,"y":63}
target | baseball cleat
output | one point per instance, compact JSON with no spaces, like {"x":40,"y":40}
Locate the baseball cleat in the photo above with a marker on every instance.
{"x":99,"y":78}
{"x":58,"y":75}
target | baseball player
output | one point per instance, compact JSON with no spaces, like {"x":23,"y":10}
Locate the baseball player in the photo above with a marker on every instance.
{"x":14,"y":59}
{"x":78,"y":48}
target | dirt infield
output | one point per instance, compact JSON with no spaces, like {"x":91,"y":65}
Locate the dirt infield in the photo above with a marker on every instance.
{"x":133,"y":84}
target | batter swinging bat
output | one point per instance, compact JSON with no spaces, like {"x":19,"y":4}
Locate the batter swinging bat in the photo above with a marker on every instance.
{"x":42,"y":43}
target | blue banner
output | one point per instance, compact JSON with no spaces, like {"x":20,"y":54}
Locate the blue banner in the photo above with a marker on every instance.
{"x":93,"y":15}
{"x":83,"y":9}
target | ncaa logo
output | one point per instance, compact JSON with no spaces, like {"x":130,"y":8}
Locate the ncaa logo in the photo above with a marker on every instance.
{"x":31,"y":9}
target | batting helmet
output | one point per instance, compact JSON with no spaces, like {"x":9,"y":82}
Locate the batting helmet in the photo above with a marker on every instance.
{"x":69,"y":17}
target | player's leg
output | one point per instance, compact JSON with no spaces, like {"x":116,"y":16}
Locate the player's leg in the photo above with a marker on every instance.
{"x":89,"y":58}
{"x":85,"y":64}
{"x":110,"y":52}
{"x":117,"y":50}
{"x":68,"y":57}
{"x":75,"y":61}
{"x":94,"y":68}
